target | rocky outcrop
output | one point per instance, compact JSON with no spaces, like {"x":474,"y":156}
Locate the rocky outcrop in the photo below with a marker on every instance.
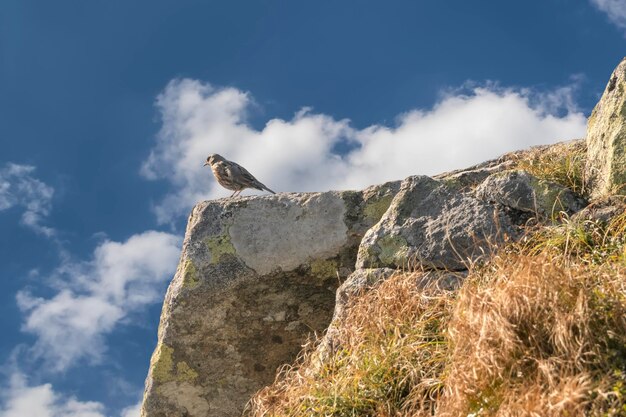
{"x":606,"y":138}
{"x":434,"y":225}
{"x":522,"y":191}
{"x":257,"y":275}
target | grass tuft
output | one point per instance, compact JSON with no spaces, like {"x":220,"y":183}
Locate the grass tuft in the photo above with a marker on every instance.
{"x":531,"y":336}
{"x":562,"y":163}
{"x":580,"y":240}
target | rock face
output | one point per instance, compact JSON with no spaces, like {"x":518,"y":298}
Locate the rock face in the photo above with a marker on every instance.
{"x":521,"y":191}
{"x":256,"y":277}
{"x":606,"y":138}
{"x":434,"y":225}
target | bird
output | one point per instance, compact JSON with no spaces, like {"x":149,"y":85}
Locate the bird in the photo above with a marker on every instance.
{"x":233,"y":176}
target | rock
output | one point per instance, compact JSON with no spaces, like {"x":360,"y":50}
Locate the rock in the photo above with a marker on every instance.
{"x":433,"y":225}
{"x":606,"y":138}
{"x":256,"y":276}
{"x":358,"y":282}
{"x":602,"y":210}
{"x":521,"y":191}
{"x":473,"y":176}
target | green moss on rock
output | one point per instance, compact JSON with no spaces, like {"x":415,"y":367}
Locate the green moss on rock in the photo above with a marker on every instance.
{"x":393,"y":250}
{"x":162,"y":365}
{"x":190,"y":275}
{"x":321,"y":268}
{"x":374,"y":210}
{"x":220,"y":245}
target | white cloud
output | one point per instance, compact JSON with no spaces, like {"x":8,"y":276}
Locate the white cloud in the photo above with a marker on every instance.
{"x":463,"y":128}
{"x":21,"y":400}
{"x":132,"y":411}
{"x":95,"y":296}
{"x":18,"y":187}
{"x":614,"y":9}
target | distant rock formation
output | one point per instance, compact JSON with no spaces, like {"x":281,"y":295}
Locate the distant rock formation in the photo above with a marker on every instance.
{"x":606,"y":138}
{"x":258,"y":275}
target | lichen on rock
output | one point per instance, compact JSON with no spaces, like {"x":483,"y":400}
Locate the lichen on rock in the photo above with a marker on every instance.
{"x":323,"y":269}
{"x":522,"y":191}
{"x":374,"y":210}
{"x":433,"y":225}
{"x":393,"y":250}
{"x":162,"y":363}
{"x":220,"y":245}
{"x":190,"y":275}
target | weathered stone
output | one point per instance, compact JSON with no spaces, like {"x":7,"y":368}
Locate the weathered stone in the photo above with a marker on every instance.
{"x":606,"y":138}
{"x":432,"y":224}
{"x":471,"y":177}
{"x":520,"y":190}
{"x":602,"y":210}
{"x":256,"y":276}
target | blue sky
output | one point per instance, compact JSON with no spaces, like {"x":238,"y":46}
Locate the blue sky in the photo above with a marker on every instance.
{"x":108,"y":109}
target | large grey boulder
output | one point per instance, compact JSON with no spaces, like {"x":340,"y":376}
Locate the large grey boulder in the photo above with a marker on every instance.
{"x":606,"y":138}
{"x":522,"y":191}
{"x":433,"y":224}
{"x":257,"y":275}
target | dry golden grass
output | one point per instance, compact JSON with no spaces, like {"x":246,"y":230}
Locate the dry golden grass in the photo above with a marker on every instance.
{"x":562,"y":163}
{"x":534,"y":336}
{"x":540,"y":330}
{"x":389,"y":357}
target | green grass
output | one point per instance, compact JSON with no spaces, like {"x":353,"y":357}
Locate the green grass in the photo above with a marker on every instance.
{"x":581,"y":240}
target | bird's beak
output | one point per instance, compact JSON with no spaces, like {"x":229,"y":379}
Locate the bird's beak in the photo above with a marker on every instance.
{"x":205,"y":164}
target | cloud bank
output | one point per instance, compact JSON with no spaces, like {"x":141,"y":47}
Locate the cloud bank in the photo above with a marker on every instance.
{"x":463,"y":128}
{"x":19,"y":188}
{"x":614,"y":9}
{"x":21,"y":400}
{"x":96,"y":295}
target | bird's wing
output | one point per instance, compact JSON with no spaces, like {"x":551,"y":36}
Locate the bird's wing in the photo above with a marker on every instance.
{"x":244,"y":177}
{"x":243,"y":174}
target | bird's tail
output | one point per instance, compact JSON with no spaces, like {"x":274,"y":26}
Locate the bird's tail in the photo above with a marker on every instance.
{"x":261,"y":186}
{"x":267,"y":189}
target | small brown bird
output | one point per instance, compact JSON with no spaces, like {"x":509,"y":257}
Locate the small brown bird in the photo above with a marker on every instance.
{"x":233,"y":176}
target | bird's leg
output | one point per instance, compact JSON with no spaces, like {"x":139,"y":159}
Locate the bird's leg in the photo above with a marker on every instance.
{"x":233,"y":194}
